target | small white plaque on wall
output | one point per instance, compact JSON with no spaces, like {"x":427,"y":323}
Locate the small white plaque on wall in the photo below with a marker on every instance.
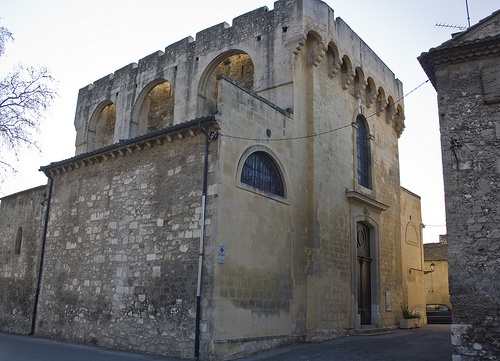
{"x":388,"y":300}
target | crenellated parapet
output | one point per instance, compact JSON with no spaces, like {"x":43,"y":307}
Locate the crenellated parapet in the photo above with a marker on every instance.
{"x":259,"y":50}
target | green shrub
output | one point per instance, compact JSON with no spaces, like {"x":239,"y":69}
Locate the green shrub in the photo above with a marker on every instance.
{"x":407,"y":312}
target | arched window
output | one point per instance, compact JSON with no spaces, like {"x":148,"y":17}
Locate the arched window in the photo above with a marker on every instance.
{"x":362,"y":153}
{"x":19,"y":240}
{"x":260,"y":171}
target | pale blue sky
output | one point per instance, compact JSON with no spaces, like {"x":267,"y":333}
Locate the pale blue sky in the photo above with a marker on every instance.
{"x":82,"y":41}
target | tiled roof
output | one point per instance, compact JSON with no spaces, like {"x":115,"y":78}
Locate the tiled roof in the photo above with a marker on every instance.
{"x":459,"y":48}
{"x":435,"y":251}
{"x":128,"y":145}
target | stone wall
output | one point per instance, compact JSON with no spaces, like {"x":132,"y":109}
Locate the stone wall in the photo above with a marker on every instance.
{"x":465,"y":71}
{"x":121,"y":258}
{"x":413,"y":267}
{"x":470,"y":146}
{"x":269,"y":291}
{"x":21,"y":223}
{"x":436,"y":283}
{"x":258,"y":291}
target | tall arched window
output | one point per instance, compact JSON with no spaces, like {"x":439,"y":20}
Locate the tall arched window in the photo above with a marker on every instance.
{"x":19,"y":240}
{"x":260,"y":171}
{"x":362,"y":153}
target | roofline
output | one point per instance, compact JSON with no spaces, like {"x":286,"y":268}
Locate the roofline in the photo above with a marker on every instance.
{"x":469,"y":29}
{"x":128,"y":145}
{"x":40,"y":187}
{"x":435,"y":258}
{"x":450,"y":53}
{"x":454,"y":49}
{"x":410,"y":192}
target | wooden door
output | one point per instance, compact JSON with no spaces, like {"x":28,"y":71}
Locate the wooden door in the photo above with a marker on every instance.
{"x":364,"y":273}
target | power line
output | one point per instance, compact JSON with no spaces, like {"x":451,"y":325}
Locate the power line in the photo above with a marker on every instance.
{"x":322,"y":133}
{"x":291,"y":138}
{"x":397,"y":101}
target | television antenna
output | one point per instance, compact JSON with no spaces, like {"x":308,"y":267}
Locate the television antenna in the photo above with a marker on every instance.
{"x":453,"y":26}
{"x":468,"y":17}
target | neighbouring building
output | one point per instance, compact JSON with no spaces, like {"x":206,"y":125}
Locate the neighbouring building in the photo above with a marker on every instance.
{"x":233,"y":193}
{"x":465,"y":72}
{"x":412,"y":254}
{"x":436,"y":268}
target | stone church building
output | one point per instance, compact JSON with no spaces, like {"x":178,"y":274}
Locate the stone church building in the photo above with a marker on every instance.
{"x":233,"y":193}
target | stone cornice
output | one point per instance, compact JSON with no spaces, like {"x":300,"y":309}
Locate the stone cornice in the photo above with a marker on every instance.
{"x":454,"y":52}
{"x":129,"y":146}
{"x":363,"y":200}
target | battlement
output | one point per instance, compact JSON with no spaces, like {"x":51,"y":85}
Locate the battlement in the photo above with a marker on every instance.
{"x":258,"y":51}
{"x":256,"y":21}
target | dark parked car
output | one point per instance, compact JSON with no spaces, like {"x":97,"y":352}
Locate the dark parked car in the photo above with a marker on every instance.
{"x":438,"y":313}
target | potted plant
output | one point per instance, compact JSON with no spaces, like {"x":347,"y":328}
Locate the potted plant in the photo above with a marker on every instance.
{"x":411,"y":319}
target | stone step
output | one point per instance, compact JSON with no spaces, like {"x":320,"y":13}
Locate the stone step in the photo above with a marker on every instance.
{"x":372,"y":330}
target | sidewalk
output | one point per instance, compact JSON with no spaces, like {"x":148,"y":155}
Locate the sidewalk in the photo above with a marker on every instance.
{"x":430,"y":342}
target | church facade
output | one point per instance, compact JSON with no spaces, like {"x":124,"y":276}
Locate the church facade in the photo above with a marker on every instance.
{"x":233,"y":193}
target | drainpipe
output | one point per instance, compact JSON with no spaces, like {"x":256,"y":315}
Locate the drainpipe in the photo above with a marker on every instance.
{"x":202,"y":246}
{"x":42,"y":254}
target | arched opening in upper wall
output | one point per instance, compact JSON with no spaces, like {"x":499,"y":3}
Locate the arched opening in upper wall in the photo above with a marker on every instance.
{"x":390,"y":109}
{"x":381,"y":101}
{"x":333,"y":60}
{"x":237,"y":65}
{"x":370,"y":92}
{"x":360,"y":82}
{"x":346,"y":71}
{"x":316,"y":50}
{"x":154,"y":108}
{"x":399,"y":116}
{"x":102,"y":126}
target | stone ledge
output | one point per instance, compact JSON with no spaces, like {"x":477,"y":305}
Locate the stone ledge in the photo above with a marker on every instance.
{"x":122,"y":148}
{"x":373,"y":204}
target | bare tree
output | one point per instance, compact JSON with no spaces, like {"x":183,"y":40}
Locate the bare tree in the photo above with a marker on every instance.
{"x":5,"y":35}
{"x":25,"y":94}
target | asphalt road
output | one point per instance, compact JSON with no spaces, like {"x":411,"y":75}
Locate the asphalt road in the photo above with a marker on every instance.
{"x":430,"y":342}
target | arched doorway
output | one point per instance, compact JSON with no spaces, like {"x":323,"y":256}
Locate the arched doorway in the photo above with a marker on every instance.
{"x":364,"y":261}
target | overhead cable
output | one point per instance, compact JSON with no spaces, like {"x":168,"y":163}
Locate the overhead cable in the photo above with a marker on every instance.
{"x":321,"y":133}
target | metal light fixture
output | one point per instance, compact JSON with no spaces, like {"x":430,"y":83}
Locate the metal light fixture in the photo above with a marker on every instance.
{"x":432,"y":267}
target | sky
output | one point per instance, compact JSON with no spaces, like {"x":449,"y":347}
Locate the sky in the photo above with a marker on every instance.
{"x":83,"y":41}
